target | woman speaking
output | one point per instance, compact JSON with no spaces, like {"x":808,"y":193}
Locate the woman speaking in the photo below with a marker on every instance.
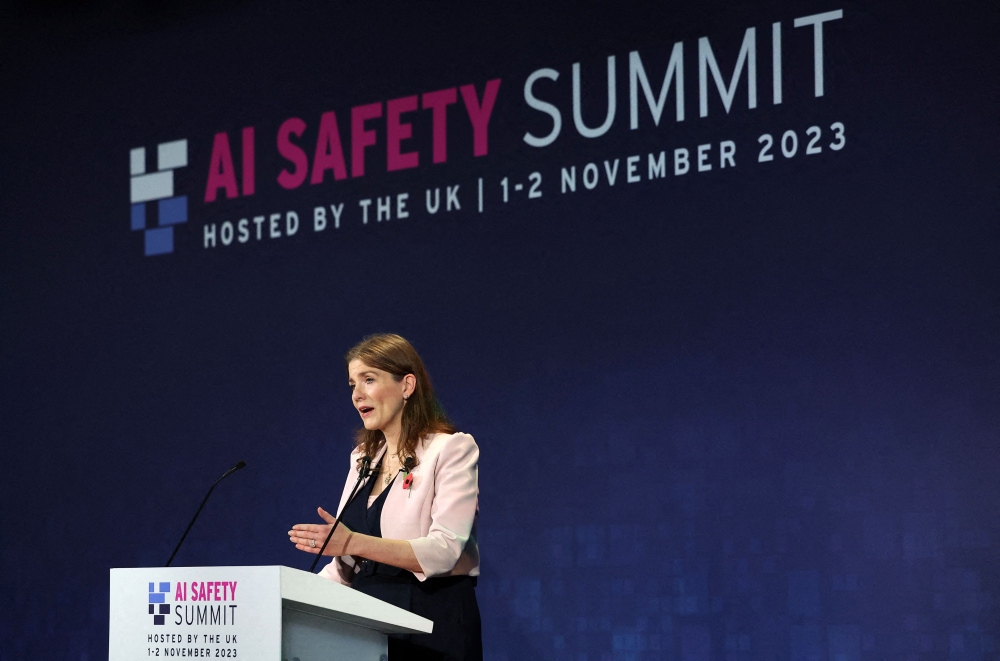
{"x":409,"y":535}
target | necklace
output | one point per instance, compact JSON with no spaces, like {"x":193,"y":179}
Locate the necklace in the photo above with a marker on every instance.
{"x":388,"y":473}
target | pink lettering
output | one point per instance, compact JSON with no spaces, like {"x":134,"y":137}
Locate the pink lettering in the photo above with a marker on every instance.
{"x":293,"y":153}
{"x":438,"y":103}
{"x":232,"y":590}
{"x":397,"y":131}
{"x":329,"y":152}
{"x":248,"y":161}
{"x":221,"y":173}
{"x":479,"y":114}
{"x":360,"y":137}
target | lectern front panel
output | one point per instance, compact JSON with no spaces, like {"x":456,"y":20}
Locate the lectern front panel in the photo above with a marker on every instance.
{"x":195,"y":612}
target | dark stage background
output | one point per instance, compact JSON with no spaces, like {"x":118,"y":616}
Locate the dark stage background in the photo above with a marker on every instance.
{"x":746,"y":413}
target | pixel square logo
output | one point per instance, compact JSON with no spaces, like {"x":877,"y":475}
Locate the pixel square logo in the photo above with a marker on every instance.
{"x":158,"y":187}
{"x":158,"y":606}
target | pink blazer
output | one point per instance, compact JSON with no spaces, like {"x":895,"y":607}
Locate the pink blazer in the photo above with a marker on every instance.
{"x":436,"y":515}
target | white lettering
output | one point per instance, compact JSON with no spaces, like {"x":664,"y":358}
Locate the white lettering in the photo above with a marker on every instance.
{"x":681,"y":162}
{"x":706,"y":60}
{"x":568,"y":179}
{"x":727,"y":152}
{"x":703,"y":164}
{"x":433,"y":209}
{"x":612,"y":173}
{"x":383,"y":208}
{"x":657,"y":167}
{"x":776,"y":62}
{"x":547,"y":108}
{"x":817,"y":21}
{"x":319,"y":219}
{"x":632,"y":163}
{"x":609,"y":119}
{"x":337,"y":210}
{"x":637,"y":76}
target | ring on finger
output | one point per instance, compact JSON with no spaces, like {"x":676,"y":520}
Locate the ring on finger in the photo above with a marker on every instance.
{"x":312,"y":543}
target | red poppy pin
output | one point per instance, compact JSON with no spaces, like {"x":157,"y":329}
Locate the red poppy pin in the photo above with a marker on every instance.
{"x":408,"y":480}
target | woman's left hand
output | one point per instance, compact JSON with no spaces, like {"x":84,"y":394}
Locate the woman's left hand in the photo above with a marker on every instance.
{"x":309,"y":537}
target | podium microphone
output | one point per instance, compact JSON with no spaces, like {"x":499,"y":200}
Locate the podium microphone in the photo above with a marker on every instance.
{"x":365,"y":471}
{"x":239,"y":465}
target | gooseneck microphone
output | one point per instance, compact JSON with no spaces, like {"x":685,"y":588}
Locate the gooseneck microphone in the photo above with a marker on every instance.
{"x":239,"y":465}
{"x":365,"y":471}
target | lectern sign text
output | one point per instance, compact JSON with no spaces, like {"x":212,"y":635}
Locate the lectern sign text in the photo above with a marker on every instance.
{"x":194,"y":612}
{"x":203,"y":613}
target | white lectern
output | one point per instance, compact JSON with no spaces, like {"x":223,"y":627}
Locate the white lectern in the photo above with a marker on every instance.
{"x":249,"y":613}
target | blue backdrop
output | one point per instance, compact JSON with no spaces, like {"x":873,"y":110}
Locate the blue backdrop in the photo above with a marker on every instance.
{"x":741,"y":413}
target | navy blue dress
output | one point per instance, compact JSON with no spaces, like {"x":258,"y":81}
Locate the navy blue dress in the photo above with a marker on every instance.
{"x":450,"y":602}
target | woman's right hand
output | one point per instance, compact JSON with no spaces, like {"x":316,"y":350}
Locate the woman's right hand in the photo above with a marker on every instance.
{"x":309,"y":537}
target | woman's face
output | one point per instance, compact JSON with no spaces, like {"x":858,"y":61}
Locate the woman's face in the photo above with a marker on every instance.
{"x":378,"y":397}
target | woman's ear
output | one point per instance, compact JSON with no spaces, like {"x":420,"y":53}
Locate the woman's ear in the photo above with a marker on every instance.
{"x":409,"y":385}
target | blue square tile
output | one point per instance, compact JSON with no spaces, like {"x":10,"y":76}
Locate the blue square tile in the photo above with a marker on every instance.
{"x":138,"y":216}
{"x":159,"y":241}
{"x":173,"y":210}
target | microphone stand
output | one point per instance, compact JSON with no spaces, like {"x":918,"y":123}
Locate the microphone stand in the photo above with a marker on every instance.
{"x":229,"y":472}
{"x":362,"y":474}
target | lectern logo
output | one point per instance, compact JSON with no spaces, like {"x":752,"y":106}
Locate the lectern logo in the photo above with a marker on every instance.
{"x":159,"y":593}
{"x":158,"y":186}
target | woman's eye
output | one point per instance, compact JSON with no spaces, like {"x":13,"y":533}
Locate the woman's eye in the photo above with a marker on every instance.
{"x":369,"y":380}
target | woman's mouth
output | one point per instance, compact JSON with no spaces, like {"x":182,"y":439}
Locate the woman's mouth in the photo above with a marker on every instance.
{"x":365,"y":411}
